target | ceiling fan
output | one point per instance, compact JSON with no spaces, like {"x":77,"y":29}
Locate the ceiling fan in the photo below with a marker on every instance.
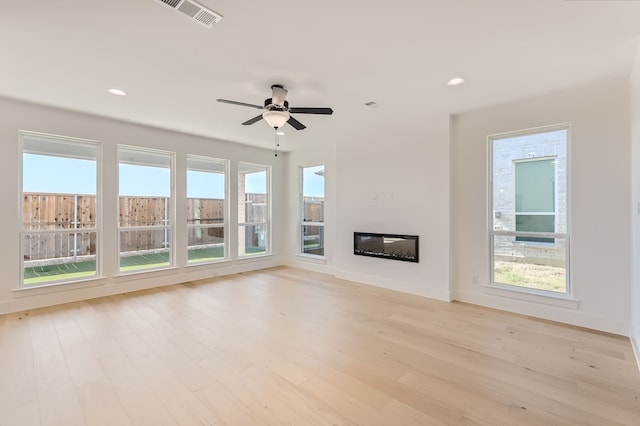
{"x":276,"y":110}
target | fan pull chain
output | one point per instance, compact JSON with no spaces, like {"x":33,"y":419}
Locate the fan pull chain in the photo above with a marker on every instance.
{"x":277,"y":141}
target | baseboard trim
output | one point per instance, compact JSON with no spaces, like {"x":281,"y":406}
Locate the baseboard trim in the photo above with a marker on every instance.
{"x":546,"y":312}
{"x":403,"y":286}
{"x":636,"y":348}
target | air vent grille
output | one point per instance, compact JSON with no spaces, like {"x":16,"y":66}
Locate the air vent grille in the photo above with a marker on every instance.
{"x":195,"y":11}
{"x":208,"y":19}
{"x":172,"y":3}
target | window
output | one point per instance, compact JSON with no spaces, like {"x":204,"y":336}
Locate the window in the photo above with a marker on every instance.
{"x":528,"y":226}
{"x":206,"y":209}
{"x":145,"y":206}
{"x":312,"y":217}
{"x":253,"y":209}
{"x":535,"y":198}
{"x":59,"y":209}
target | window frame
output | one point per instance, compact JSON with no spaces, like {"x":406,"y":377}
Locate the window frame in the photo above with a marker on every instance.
{"x":226,"y":209}
{"x":493,"y":233}
{"x":23,"y":135}
{"x":267,"y":223}
{"x":301,"y":222}
{"x":169,"y":228}
{"x":555,"y":200}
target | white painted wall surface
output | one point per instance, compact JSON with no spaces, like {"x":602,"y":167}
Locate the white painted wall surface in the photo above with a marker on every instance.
{"x":634,"y":89}
{"x":395,"y":179}
{"x":23,"y":116}
{"x":599,"y":202}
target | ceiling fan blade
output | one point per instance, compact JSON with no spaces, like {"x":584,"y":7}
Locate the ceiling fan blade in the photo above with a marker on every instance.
{"x":296,"y":124}
{"x":307,"y":110}
{"x":253,"y":120}
{"x":226,"y":101}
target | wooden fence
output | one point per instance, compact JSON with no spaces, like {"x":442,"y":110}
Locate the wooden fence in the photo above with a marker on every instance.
{"x":74,"y":215}
{"x":63,"y":212}
{"x":71,"y":215}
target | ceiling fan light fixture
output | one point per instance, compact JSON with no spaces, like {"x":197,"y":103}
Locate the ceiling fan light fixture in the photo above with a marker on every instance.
{"x":276,"y":119}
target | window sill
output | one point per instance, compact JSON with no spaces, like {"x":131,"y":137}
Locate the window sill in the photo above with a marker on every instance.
{"x":208,"y":263}
{"x":537,"y":244}
{"x":320,"y":260}
{"x":530,"y":295}
{"x":145,"y":271}
{"x":256,"y":257}
{"x":57,"y":286}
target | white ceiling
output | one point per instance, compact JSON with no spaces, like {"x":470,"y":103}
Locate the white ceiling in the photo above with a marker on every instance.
{"x":333,"y":53}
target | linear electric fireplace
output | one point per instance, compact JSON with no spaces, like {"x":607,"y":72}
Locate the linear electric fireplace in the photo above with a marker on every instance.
{"x":386,"y":246}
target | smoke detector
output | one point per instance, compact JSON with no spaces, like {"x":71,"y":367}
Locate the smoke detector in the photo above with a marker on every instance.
{"x":194,"y":10}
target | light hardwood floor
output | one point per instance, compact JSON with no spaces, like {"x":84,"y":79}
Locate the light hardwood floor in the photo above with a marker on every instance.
{"x":290,"y":347}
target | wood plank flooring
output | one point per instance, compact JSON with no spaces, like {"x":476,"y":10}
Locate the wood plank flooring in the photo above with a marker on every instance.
{"x":286,"y":346}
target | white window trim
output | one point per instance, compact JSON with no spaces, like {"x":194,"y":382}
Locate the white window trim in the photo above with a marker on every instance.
{"x":224,"y":224}
{"x":267,"y":223}
{"x":301,"y":221}
{"x":566,"y":299}
{"x":170,"y":227}
{"x":22,"y":135}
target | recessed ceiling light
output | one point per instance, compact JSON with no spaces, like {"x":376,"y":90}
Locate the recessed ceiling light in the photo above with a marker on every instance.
{"x":117,"y":92}
{"x":455,"y":81}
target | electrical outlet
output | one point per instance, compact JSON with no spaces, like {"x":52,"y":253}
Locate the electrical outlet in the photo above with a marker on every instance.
{"x":474,"y":280}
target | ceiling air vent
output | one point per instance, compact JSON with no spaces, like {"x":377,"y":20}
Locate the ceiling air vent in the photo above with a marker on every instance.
{"x":195,"y":11}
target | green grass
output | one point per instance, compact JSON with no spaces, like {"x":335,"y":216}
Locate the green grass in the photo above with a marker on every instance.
{"x":540,"y":277}
{"x":49,"y":278}
{"x":73,"y":270}
{"x":205,"y":254}
{"x":63,"y":271}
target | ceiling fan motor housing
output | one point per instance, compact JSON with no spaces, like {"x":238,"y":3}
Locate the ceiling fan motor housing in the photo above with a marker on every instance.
{"x":270,"y":106}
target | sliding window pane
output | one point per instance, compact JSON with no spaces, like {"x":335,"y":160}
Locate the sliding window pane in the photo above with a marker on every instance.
{"x":255,"y":239}
{"x":253,"y":209}
{"x":206,"y":208}
{"x":145,"y":249}
{"x":59,"y":209}
{"x":59,"y":256}
{"x":205,"y":244}
{"x":312,"y":240}
{"x":312,"y":202}
{"x":528,"y":266}
{"x":145,"y":205}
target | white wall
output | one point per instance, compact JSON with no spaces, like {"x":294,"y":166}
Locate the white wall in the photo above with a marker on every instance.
{"x":23,"y":116}
{"x":395,"y":179}
{"x":635,"y":204}
{"x":599,"y":202}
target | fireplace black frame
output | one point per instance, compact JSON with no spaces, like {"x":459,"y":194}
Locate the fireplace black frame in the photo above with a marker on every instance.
{"x":373,"y":245}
